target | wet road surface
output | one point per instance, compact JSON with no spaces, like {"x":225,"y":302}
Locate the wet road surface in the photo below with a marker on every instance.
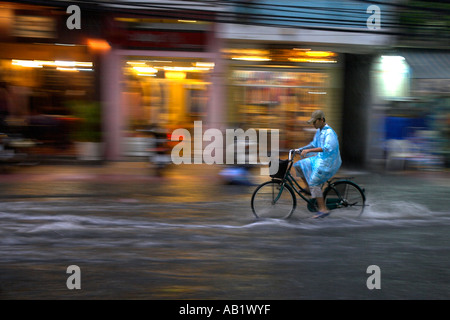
{"x":175,"y":238}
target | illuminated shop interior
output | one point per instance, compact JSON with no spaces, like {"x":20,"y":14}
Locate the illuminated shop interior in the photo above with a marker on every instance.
{"x":279,"y":88}
{"x":164,"y":92}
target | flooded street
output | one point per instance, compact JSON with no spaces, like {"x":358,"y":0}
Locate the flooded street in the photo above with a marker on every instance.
{"x":133,"y":135}
{"x":161,"y":243}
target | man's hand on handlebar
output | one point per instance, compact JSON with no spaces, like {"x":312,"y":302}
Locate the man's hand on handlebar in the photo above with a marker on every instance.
{"x":300,"y":152}
{"x":303,"y":153}
{"x":292,"y":152}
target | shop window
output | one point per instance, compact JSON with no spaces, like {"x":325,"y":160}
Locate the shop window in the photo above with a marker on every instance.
{"x":41,"y":96}
{"x":164,"y":93}
{"x":281,"y":100}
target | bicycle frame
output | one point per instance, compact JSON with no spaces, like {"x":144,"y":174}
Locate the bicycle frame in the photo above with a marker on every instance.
{"x":288,"y":178}
{"x":311,"y":203}
{"x":339,"y":193}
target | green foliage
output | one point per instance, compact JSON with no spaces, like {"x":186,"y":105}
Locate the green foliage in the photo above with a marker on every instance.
{"x":425,"y":18}
{"x":88,"y":128}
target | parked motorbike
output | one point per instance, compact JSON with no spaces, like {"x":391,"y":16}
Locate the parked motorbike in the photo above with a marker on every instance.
{"x":11,"y":149}
{"x":159,"y":149}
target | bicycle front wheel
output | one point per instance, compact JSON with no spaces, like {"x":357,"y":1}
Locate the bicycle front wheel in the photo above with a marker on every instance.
{"x":346,"y":198}
{"x":272,"y":200}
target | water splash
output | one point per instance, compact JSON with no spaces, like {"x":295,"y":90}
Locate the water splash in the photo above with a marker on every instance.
{"x":64,"y":216}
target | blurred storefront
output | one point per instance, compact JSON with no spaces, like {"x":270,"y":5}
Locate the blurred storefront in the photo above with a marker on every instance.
{"x":133,"y":70}
{"x":174,"y":72}
{"x":240,"y":71}
{"x":279,"y":88}
{"x":48,"y":74}
{"x":165,"y":91}
{"x":411,"y":110}
{"x":431,"y":83}
{"x":164,"y":75}
{"x":162,"y":93}
{"x":301,"y":59}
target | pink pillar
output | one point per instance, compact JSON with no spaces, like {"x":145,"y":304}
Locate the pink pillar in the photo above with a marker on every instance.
{"x":217,"y":112}
{"x":111,"y":108}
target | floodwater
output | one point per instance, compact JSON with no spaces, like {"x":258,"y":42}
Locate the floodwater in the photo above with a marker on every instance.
{"x":131,"y":247}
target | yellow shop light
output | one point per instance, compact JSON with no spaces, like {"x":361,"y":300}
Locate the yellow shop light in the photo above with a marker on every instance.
{"x":175,"y":75}
{"x":145,"y":69}
{"x":67,"y":69}
{"x":314,"y":57}
{"x":26,"y":63}
{"x":186,"y":69}
{"x":320,"y":54}
{"x":209,"y":65}
{"x":251,"y":58}
{"x":57,"y":64}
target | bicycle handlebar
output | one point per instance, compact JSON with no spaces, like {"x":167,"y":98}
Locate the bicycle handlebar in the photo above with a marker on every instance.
{"x":292,"y":153}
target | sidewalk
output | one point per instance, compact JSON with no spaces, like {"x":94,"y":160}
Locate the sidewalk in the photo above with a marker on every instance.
{"x":188,"y":183}
{"x":140,"y":170}
{"x":114,"y":170}
{"x":133,"y":181}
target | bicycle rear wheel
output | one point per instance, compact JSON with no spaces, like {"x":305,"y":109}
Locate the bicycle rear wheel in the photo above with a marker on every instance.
{"x":265,"y":204}
{"x":345,"y":198}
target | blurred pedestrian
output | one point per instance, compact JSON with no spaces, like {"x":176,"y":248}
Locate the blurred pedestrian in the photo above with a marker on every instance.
{"x":320,"y":161}
{"x":4,"y":105}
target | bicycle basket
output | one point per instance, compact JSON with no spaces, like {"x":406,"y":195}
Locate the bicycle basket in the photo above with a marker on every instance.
{"x":282,"y":168}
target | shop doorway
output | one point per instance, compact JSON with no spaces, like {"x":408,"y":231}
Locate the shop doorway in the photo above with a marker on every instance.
{"x":162,"y":93}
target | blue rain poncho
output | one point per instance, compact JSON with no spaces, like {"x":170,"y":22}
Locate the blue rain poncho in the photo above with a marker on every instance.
{"x":324,"y":165}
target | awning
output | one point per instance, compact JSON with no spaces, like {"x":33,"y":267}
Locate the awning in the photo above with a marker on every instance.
{"x":428,"y":64}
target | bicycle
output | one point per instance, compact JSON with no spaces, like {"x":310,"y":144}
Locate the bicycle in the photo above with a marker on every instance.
{"x":276,"y":198}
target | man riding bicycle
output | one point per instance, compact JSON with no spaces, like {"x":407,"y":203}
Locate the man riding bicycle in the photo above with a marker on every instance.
{"x":323,"y":164}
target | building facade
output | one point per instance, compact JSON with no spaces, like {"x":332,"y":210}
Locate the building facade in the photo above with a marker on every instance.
{"x":259,"y":64}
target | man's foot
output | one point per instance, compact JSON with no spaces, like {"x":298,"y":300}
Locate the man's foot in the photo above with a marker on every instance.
{"x":320,"y":214}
